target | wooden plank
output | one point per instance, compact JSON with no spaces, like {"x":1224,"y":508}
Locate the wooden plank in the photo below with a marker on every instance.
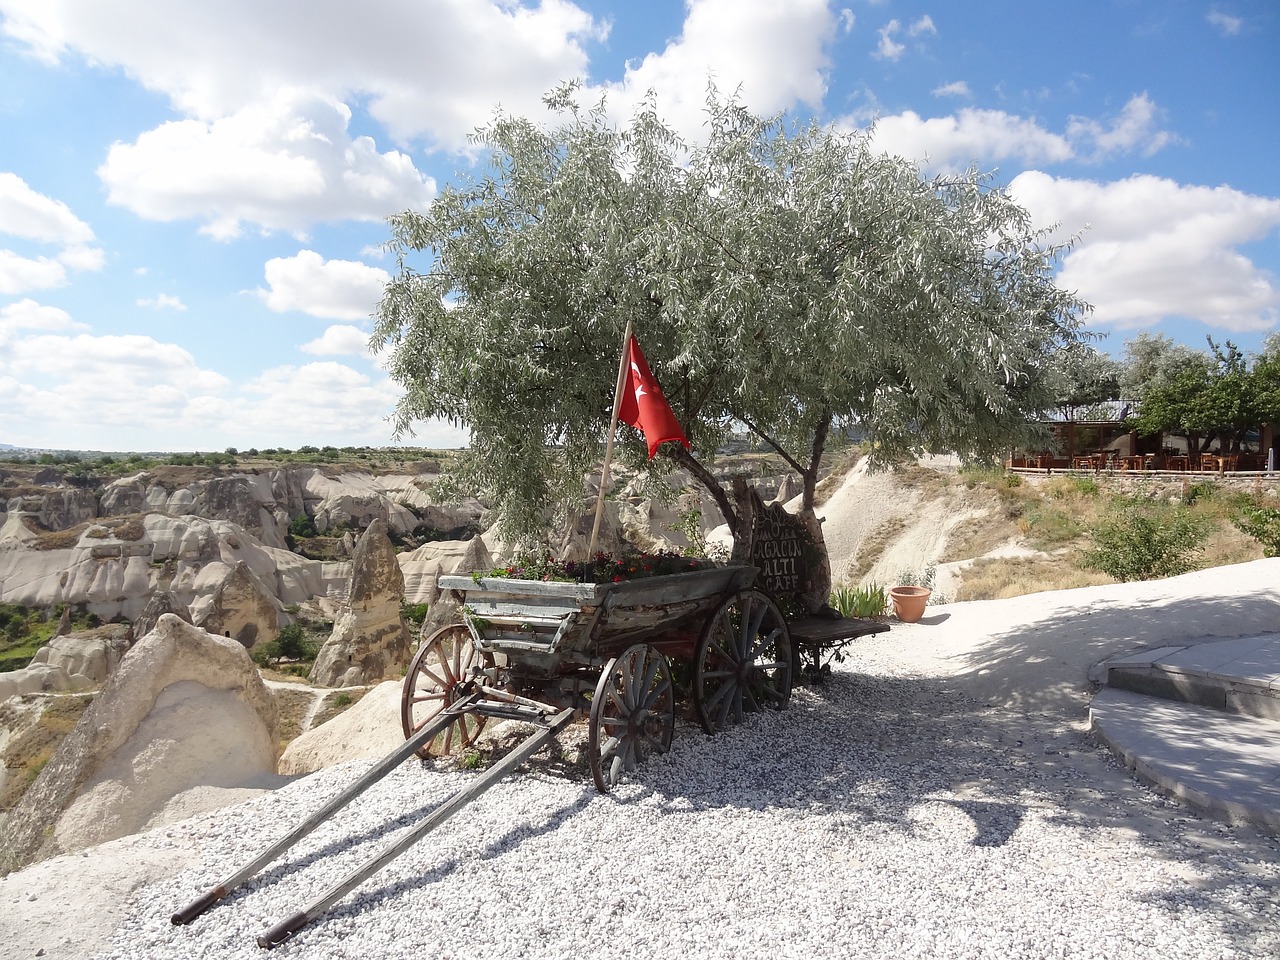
{"x":823,"y":631}
{"x":527,"y":588}
{"x":678,"y":587}
{"x":671,"y":587}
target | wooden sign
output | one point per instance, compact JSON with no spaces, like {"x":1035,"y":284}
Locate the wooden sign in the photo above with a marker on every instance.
{"x":788,"y":554}
{"x":778,"y":550}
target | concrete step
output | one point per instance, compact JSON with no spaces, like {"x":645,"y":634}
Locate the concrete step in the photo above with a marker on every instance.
{"x":1240,"y":676}
{"x":1226,"y":764}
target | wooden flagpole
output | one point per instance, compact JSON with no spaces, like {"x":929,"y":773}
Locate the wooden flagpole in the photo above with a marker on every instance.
{"x":608,"y":445}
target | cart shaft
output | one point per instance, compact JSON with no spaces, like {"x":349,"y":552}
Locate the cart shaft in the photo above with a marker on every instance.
{"x":372,"y":776}
{"x":290,"y":925}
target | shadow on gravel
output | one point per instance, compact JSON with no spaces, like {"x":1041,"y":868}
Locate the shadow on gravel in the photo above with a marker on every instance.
{"x":371,"y":898}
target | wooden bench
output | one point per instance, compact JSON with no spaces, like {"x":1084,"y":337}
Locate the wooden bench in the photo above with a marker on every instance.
{"x":820,"y":637}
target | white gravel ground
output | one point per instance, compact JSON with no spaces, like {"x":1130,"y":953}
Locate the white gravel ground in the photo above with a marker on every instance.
{"x":937,"y":797}
{"x":883,"y":815}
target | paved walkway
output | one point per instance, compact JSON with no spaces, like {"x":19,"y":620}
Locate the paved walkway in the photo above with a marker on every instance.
{"x":1201,"y":722}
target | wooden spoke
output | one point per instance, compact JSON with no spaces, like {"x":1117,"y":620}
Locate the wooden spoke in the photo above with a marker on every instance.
{"x":446,"y":659}
{"x":632,"y":714}
{"x":742,"y":662}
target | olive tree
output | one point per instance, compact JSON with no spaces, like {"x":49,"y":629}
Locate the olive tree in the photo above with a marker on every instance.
{"x":787,"y":280}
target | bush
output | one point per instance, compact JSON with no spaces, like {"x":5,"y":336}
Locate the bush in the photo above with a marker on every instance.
{"x":294,"y":644}
{"x":303,"y":526}
{"x":1145,"y":541}
{"x":265,"y":654}
{"x":1195,"y":492}
{"x":414,"y":612}
{"x":1263,"y":524}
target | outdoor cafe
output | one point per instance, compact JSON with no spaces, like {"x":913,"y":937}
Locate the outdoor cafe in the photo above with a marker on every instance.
{"x":1108,"y":447}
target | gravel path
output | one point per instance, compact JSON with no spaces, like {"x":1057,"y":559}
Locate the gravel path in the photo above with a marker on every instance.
{"x":885,"y":814}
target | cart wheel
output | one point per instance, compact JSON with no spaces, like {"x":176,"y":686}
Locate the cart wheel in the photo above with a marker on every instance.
{"x":743,"y":661}
{"x":446,"y":658}
{"x":633,"y":713}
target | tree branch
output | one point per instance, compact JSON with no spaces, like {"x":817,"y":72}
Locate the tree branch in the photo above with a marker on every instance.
{"x":791,"y":461}
{"x":815,"y":459}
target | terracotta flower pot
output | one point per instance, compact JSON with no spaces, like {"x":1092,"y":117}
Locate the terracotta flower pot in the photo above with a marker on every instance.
{"x":908,"y":602}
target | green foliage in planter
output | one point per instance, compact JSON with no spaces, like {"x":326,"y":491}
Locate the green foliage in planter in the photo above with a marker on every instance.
{"x":859,"y":602}
{"x":1146,"y":540}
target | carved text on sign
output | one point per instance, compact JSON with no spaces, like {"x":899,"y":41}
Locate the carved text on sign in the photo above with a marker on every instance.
{"x":778,"y":552}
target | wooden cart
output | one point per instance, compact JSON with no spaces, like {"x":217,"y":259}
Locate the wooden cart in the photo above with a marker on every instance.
{"x":620,"y":653}
{"x":548,"y":652}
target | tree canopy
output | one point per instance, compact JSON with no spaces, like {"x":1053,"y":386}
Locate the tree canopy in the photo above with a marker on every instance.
{"x":789,"y":280}
{"x":1221,"y":394}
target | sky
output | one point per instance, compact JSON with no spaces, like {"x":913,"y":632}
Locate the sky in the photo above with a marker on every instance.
{"x":193,"y":195}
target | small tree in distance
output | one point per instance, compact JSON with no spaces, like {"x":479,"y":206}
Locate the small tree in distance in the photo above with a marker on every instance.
{"x":792,"y":281}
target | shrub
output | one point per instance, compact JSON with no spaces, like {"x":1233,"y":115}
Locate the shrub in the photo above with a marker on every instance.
{"x":1146,"y":541}
{"x":303,"y":526}
{"x":414,"y":612}
{"x":1263,"y":524}
{"x":265,"y":654}
{"x":1203,"y":490}
{"x":293,"y":643}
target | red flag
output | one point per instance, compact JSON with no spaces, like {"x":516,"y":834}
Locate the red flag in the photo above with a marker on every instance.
{"x":643,"y":405}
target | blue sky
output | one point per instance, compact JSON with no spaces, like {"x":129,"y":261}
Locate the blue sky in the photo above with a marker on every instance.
{"x":192,"y":195}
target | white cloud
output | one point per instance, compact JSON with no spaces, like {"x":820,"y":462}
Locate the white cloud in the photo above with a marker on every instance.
{"x":283,"y":165}
{"x":339,"y":340}
{"x":888,"y":48}
{"x":27,"y":314}
{"x":163,"y":301}
{"x":1134,"y":129}
{"x":847,"y":20}
{"x":982,"y":136}
{"x":922,"y":26}
{"x":326,"y":400}
{"x":1155,"y":248}
{"x":957,"y":88}
{"x":430,"y":69}
{"x":115,"y":364}
{"x":775,"y":53}
{"x":988,"y":137}
{"x":334,"y":289}
{"x":20,"y":274}
{"x":31,"y":216}
{"x":1226,"y":25}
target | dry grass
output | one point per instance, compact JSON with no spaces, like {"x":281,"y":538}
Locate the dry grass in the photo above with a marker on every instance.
{"x":337,"y":702}
{"x":26,"y":753}
{"x":54,"y":539}
{"x":292,"y":706}
{"x":872,"y":548}
{"x":1004,"y":577}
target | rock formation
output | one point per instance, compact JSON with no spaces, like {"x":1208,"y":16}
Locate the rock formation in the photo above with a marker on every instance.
{"x":370,"y":640}
{"x":161,"y":602}
{"x":421,"y":567}
{"x":240,"y":607}
{"x":58,"y":509}
{"x":87,"y":657}
{"x":575,"y":539}
{"x":444,"y":606}
{"x":184,"y":710}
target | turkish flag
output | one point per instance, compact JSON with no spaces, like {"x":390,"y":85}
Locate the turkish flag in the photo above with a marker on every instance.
{"x":643,"y":405}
